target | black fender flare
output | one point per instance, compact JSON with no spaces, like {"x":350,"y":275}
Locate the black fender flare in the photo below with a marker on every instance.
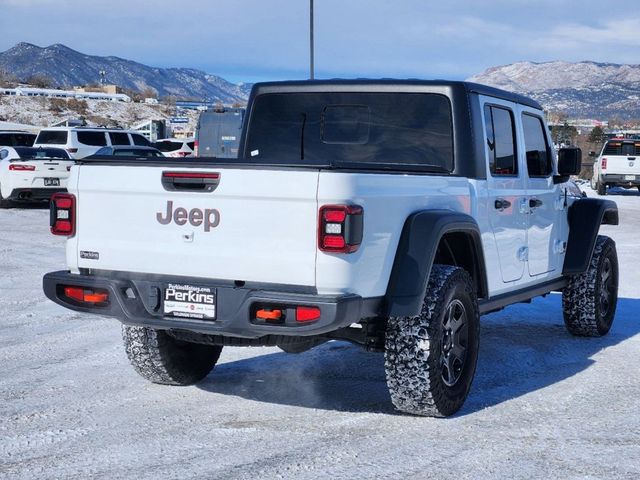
{"x":416,"y":252}
{"x":585,"y":217}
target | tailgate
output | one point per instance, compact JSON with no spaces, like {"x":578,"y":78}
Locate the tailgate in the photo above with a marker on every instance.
{"x":255,"y":226}
{"x":622,"y":165}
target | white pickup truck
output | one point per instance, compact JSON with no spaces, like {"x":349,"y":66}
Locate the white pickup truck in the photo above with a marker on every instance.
{"x":390,"y":214}
{"x":618,"y":165}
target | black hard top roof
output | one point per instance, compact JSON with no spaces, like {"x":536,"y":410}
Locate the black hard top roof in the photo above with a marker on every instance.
{"x":390,"y":85}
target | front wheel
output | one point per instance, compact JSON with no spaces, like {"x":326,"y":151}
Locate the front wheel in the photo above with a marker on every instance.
{"x":589,"y":300}
{"x":161,"y":358}
{"x":430,"y":359}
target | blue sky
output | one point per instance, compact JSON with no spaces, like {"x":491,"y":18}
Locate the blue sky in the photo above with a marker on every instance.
{"x":251,"y":40}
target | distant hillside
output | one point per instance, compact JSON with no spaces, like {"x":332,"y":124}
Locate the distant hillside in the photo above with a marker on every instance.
{"x":67,"y":67}
{"x":582,"y":89}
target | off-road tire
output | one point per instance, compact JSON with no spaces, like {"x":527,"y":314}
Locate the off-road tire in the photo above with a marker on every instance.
{"x":415,"y":347}
{"x":601,"y":188}
{"x":589,"y":300}
{"x":160,"y":358}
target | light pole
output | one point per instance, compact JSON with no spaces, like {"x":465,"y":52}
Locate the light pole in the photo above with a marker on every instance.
{"x":311,"y":66}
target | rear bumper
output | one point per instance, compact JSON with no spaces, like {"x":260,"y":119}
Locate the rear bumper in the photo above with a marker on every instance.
{"x":615,"y":179}
{"x":34,"y":194}
{"x":139,"y":301}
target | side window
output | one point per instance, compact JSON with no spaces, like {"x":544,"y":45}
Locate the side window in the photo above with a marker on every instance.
{"x":119,"y":138}
{"x":140,"y":140}
{"x":535,"y":141}
{"x":4,"y":154}
{"x":501,"y":140}
{"x":95,"y":139}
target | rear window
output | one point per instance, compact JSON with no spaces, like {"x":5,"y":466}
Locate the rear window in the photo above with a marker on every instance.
{"x":119,"y":138}
{"x":140,"y":140}
{"x":95,"y":139}
{"x":357,"y":130}
{"x":622,"y":148}
{"x":17,"y":139}
{"x":168,"y":146}
{"x":36,"y":153}
{"x":52,"y":137}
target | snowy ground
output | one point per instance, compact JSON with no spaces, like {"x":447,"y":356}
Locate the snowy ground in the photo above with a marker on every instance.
{"x":543,"y":404}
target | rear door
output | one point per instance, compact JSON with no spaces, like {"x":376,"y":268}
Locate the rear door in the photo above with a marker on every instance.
{"x":544,"y":199}
{"x":245,"y":226}
{"x":506,"y":187}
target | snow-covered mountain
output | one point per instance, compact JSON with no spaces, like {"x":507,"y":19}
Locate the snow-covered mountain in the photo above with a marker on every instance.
{"x":582,"y":89}
{"x":67,"y":67}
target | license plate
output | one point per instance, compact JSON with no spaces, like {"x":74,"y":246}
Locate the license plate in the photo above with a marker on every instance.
{"x":51,"y":182}
{"x":629,"y":177}
{"x":190,"y":301}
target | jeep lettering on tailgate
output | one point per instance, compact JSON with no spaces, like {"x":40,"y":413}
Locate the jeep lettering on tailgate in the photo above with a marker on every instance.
{"x":210,"y":217}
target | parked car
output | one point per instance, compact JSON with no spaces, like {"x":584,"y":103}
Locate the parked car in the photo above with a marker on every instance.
{"x":391,"y":214}
{"x":80,"y":142}
{"x":176,"y":147}
{"x":618,"y":165}
{"x":133,"y":151}
{"x":218,"y":132}
{"x":31,"y":174}
{"x":16,"y":138}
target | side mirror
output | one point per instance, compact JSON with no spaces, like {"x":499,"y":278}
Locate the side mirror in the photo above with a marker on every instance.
{"x":569,"y":163}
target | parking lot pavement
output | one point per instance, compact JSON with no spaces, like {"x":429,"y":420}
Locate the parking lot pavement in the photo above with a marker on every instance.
{"x":543,"y":404}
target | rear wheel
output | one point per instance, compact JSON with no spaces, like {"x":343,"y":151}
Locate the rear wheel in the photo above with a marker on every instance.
{"x":430,"y":359}
{"x":589,"y":300}
{"x":161,"y":358}
{"x":601,"y":188}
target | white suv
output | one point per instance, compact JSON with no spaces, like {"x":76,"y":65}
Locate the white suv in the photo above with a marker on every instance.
{"x":81,"y":142}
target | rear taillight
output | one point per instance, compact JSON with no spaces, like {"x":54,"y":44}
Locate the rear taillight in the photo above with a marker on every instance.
{"x":86,"y":295}
{"x":603,"y":164}
{"x":196,"y":148}
{"x":21,"y":167}
{"x":340,"y":228}
{"x":307,"y":314}
{"x":63,"y":214}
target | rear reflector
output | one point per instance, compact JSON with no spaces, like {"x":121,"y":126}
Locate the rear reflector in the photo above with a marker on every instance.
{"x":83,"y":295}
{"x":21,"y":167}
{"x":340,"y":228}
{"x":307,"y":314}
{"x":265,"y":314}
{"x":62,"y":214}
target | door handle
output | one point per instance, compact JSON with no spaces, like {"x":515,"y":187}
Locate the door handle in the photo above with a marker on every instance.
{"x":535,"y":203}
{"x":501,"y":204}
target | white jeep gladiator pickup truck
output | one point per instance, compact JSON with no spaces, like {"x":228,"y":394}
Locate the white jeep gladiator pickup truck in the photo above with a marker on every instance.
{"x":391,"y":214}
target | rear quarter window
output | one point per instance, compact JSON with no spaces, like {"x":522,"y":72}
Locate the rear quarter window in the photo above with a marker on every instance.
{"x":140,"y":140}
{"x":95,"y":139}
{"x":119,"y":138}
{"x":52,"y":137}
